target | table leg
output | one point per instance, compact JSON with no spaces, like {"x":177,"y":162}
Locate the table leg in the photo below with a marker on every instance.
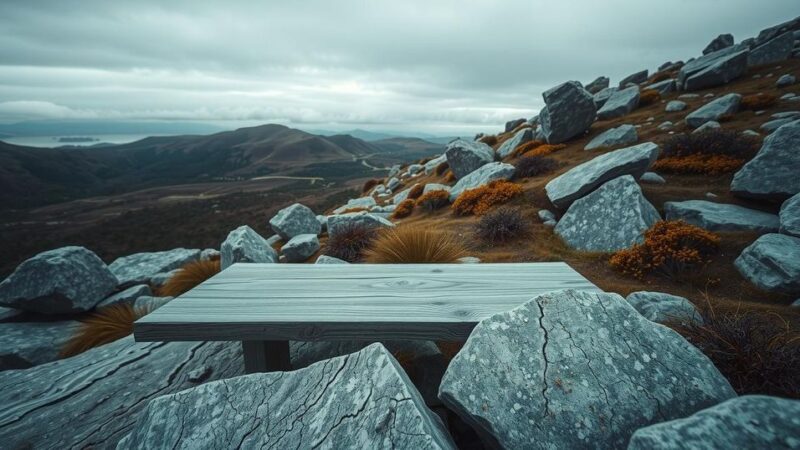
{"x":266,"y":356}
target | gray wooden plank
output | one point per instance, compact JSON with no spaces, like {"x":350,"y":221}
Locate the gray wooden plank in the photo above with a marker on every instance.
{"x":359,"y":301}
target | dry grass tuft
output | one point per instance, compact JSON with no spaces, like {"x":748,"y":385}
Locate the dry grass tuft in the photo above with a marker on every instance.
{"x":434,"y":200}
{"x":755,"y":102}
{"x":441,"y":168}
{"x":449,"y":176}
{"x":349,"y":242}
{"x":544,"y":150}
{"x":757,"y":351}
{"x":369,"y":184}
{"x":478,"y":201}
{"x":502,"y":225}
{"x":699,"y":164}
{"x":659,"y":76}
{"x":526,"y":147}
{"x":648,"y":97}
{"x":711,"y":152}
{"x":189,"y":276}
{"x":490,"y":140}
{"x":670,"y":248}
{"x":404,"y":209}
{"x":416,"y":192}
{"x":532,"y":166}
{"x":413,"y":245}
{"x":102,"y":327}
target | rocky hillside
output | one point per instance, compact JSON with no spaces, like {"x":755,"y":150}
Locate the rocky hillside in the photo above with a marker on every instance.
{"x":676,"y":192}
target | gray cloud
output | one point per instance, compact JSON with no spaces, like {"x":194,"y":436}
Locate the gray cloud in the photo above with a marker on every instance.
{"x":431,"y":65}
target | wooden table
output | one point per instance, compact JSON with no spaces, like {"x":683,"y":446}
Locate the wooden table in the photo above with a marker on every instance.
{"x":266,"y":305}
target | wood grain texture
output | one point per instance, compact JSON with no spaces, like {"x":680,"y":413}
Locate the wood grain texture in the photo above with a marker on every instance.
{"x":309,"y":302}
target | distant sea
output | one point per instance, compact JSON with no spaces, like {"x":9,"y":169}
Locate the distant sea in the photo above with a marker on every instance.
{"x":52,"y":141}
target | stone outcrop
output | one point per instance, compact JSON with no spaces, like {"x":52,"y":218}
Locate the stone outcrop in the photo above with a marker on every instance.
{"x":64,"y":280}
{"x":484,"y":175}
{"x":620,"y":103}
{"x":295,"y":220}
{"x":772,"y":174}
{"x":614,"y":137}
{"x":583,"y":178}
{"x":774,"y":50}
{"x":466,"y":156}
{"x":772,"y":263}
{"x":127,"y":296}
{"x":602,"y":97}
{"x":569,"y":112}
{"x":576,"y":369}
{"x":714,"y":69}
{"x":28,"y":344}
{"x":511,"y":125}
{"x":354,"y":203}
{"x":613,"y":217}
{"x":635,"y":78}
{"x":663,"y":87}
{"x":675,"y":106}
{"x":714,"y":110}
{"x":520,"y":137}
{"x":341,"y":221}
{"x":139,"y":268}
{"x":245,"y":245}
{"x":597,"y":85}
{"x":719,"y":42}
{"x":721,"y":217}
{"x":790,"y":216}
{"x":300,"y":248}
{"x":660,"y":307}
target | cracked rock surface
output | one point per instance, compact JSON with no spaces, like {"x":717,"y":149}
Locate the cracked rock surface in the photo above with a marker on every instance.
{"x":92,"y":400}
{"x":576,"y":369}
{"x":140,"y":268}
{"x":361,"y":400}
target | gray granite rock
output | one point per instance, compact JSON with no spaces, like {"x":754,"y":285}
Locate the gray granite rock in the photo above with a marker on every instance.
{"x":520,"y":137}
{"x":246,"y":246}
{"x":715,"y":69}
{"x":546,"y":214}
{"x":209,"y":254}
{"x":713,"y":110}
{"x":675,"y":106}
{"x":747,"y":422}
{"x":772,"y":263}
{"x":620,"y":103}
{"x":670,"y":66}
{"x":127,"y":296}
{"x":613,"y":217}
{"x":28,"y":344}
{"x":597,"y":85}
{"x":300,"y":247}
{"x":511,"y":125}
{"x":8,"y":314}
{"x":160,"y":279}
{"x":64,"y":280}
{"x":402,"y":195}
{"x":325,"y":259}
{"x":774,"y":50}
{"x":576,"y":369}
{"x":662,"y":308}
{"x":362,"y":400}
{"x":149,"y":303}
{"x":139,"y":268}
{"x":614,"y":137}
{"x":652,"y":178}
{"x":708,"y":126}
{"x":430,"y":187}
{"x":790,"y":216}
{"x":636,"y":78}
{"x":361,"y":202}
{"x":785,"y":80}
{"x":323,"y":222}
{"x":341,"y":221}
{"x":569,"y":112}
{"x":466,"y":156}
{"x":665,"y":125}
{"x":92,"y":400}
{"x":602,"y":97}
{"x":663,"y":87}
{"x":393,"y":182}
{"x":484,"y":175}
{"x":719,"y":42}
{"x":431,"y":165}
{"x":772,"y":174}
{"x":721,"y":217}
{"x":773,"y":125}
{"x":583,"y":178}
{"x":394,"y":171}
{"x":295,"y":220}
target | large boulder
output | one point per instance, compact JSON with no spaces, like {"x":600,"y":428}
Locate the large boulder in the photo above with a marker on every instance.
{"x":28,"y":344}
{"x":583,"y":178}
{"x":294,"y":220}
{"x":597,"y":85}
{"x":300,"y":248}
{"x":520,"y":137}
{"x":464,"y":156}
{"x":714,"y":110}
{"x":340,"y":222}
{"x":139,"y":268}
{"x":719,"y":42}
{"x":747,"y":422}
{"x":772,"y":263}
{"x":774,"y":50}
{"x":635,"y":78}
{"x":614,"y":137}
{"x":620,"y":103}
{"x":569,"y":112}
{"x":715,"y":69}
{"x":662,"y":308}
{"x":126,"y":296}
{"x":602,"y":97}
{"x":245,"y":245}
{"x":431,"y":165}
{"x":484,"y":175}
{"x":772,"y":174}
{"x":790,"y":216}
{"x":721,"y":217}
{"x":613,"y":217}
{"x":92,"y":400}
{"x":60,"y":281}
{"x":663,"y":87}
{"x":361,"y":400}
{"x":576,"y":369}
{"x":511,"y":125}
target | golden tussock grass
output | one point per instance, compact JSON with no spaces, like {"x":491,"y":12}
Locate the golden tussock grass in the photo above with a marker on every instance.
{"x":648,"y":97}
{"x":104,"y":326}
{"x":413,"y":245}
{"x":403,"y":209}
{"x":189,"y":276}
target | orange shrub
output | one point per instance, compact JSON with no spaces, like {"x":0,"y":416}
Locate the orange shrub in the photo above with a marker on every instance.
{"x":699,"y":164}
{"x":189,"y":276}
{"x":478,"y":201}
{"x":669,"y":247}
{"x":648,"y":97}
{"x":659,"y":76}
{"x":416,"y":191}
{"x":434,"y":200}
{"x":757,"y":102}
{"x":404,"y":209}
{"x":526,"y":147}
{"x":441,"y":168}
{"x":489,"y":140}
{"x":544,"y":150}
{"x":101,"y":327}
{"x":369,"y":184}
{"x":449,"y":177}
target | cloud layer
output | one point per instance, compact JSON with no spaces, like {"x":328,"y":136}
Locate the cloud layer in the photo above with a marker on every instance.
{"x":442,"y":66}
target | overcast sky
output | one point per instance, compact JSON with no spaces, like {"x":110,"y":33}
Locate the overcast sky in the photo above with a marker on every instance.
{"x":425,"y":65}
